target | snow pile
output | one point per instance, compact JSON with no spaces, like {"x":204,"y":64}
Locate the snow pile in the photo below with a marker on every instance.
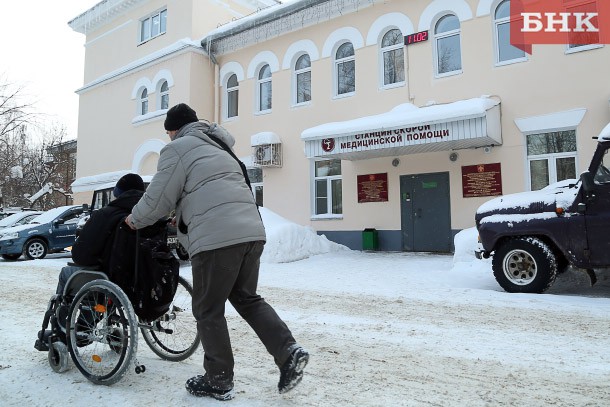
{"x":287,"y":241}
{"x":470,"y":269}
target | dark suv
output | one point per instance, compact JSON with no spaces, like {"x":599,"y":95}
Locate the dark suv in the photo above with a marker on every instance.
{"x":533,"y":236}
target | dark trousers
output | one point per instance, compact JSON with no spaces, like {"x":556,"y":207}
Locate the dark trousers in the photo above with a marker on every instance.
{"x":232,"y":273}
{"x":64,"y":275}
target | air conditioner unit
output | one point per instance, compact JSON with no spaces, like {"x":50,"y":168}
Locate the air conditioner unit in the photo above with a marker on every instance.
{"x":268,"y":155}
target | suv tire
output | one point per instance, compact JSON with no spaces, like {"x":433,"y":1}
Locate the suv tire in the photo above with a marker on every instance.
{"x":524,"y":265}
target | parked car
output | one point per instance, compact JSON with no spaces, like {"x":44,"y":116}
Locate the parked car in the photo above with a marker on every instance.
{"x":533,"y":236}
{"x":18,"y":218}
{"x":5,"y":212}
{"x":49,"y":232}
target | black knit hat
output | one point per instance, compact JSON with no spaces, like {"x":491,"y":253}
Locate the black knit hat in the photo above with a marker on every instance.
{"x":127,"y":182}
{"x":178,"y":116}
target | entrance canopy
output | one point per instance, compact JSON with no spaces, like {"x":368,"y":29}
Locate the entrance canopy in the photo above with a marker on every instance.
{"x":101,"y":181}
{"x":408,"y":129}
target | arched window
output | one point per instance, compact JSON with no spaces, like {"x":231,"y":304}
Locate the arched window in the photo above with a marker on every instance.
{"x":164,"y":95}
{"x":447,"y":44}
{"x":264,"y":88}
{"x":143,"y":102}
{"x":505,"y":52}
{"x":302,"y":79}
{"x":232,"y":96}
{"x":393,"y":57}
{"x":345,"y":69}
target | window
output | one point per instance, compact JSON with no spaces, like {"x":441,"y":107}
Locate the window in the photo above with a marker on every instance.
{"x":143,"y":102}
{"x":302,"y":79}
{"x":583,"y":40}
{"x":551,"y":157}
{"x":264,"y":88}
{"x":256,"y":182}
{"x":153,"y":26}
{"x":327,"y":188}
{"x":447,"y":46}
{"x":393,"y":56}
{"x":164,"y":93}
{"x":232,"y":96}
{"x":505,"y":52}
{"x":345,"y":68}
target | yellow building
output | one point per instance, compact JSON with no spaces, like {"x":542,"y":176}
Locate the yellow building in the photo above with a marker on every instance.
{"x":393,"y":115}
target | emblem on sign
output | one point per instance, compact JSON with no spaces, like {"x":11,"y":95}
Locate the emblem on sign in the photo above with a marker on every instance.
{"x":328,"y":144}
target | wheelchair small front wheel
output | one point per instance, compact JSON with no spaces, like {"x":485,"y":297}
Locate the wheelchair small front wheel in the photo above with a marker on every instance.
{"x":102,"y":332}
{"x":58,"y":357}
{"x":174,"y":336}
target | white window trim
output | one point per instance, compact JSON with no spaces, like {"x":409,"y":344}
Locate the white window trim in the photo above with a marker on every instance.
{"x":150,"y":17}
{"x":160,"y":95}
{"x":295,"y":74}
{"x":259,"y":84}
{"x":496,"y":37}
{"x":225,"y":101}
{"x":336,"y":63}
{"x":313,"y":178}
{"x":538,"y":128}
{"x":446,"y":34}
{"x":582,"y":48}
{"x":381,"y":69}
{"x":551,"y":158}
{"x":141,"y":101}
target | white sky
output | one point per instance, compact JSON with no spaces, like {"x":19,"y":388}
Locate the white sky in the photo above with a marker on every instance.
{"x":41,"y":52}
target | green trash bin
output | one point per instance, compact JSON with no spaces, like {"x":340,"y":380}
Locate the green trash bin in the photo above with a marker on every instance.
{"x":369,"y":239}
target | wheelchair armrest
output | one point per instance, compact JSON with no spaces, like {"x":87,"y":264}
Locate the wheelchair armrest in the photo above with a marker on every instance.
{"x":87,"y":268}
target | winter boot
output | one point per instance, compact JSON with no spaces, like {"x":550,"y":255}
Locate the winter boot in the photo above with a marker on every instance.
{"x":291,"y":373}
{"x":198,"y":386}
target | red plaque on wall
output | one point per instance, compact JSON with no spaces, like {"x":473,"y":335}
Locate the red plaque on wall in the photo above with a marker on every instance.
{"x":481,"y":180}
{"x":373,"y":188}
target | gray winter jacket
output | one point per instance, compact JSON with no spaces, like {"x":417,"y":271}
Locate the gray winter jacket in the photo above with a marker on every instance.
{"x":214,"y":206}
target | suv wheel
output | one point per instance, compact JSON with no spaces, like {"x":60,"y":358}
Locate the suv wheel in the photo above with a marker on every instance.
{"x":35,"y":249}
{"x":524,"y":265}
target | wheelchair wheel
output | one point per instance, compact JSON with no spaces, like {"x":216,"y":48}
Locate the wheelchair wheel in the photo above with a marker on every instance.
{"x":102,"y":332}
{"x":174,"y":336}
{"x":58,"y":357}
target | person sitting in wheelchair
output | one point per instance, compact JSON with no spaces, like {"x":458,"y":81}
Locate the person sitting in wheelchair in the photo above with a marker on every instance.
{"x":93,"y":247}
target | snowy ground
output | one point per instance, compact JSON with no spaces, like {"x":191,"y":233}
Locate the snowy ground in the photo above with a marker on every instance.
{"x":383,"y":329}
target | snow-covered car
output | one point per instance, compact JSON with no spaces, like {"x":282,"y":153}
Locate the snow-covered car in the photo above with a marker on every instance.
{"x":533,"y":236}
{"x":18,"y":218}
{"x":49,"y":232}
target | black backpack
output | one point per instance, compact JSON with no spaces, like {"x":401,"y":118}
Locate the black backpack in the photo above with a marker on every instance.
{"x":144,"y":267}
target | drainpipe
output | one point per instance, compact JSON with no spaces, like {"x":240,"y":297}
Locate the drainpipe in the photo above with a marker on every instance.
{"x":216,"y":93}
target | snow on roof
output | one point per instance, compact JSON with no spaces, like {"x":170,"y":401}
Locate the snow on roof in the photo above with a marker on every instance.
{"x":265,"y":137}
{"x":101,"y":181}
{"x":405,"y":115}
{"x":180,"y":45}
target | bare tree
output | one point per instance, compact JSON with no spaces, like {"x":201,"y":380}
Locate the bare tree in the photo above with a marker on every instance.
{"x":32,"y":166}
{"x":15,"y":112}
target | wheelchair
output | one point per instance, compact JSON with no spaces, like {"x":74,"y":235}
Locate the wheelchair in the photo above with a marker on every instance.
{"x":94,"y":322}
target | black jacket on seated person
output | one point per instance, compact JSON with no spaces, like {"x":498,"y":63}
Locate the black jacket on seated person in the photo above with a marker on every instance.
{"x":93,"y":245}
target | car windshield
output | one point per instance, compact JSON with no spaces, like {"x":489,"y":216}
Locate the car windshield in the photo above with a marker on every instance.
{"x":9,"y":220}
{"x":50,"y":215}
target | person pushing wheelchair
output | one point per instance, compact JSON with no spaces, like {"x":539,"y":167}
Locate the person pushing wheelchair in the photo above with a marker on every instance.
{"x":219,"y":224}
